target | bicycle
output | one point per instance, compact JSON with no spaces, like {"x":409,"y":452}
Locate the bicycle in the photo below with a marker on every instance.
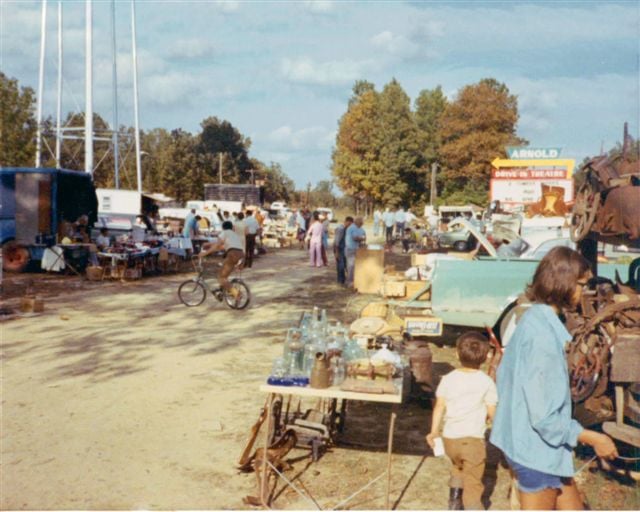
{"x":193,"y":292}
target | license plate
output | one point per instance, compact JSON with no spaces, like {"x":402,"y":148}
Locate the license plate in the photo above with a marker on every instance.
{"x":423,"y":326}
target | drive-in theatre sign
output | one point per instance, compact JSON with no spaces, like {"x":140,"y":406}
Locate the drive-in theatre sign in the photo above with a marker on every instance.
{"x":519,"y":179}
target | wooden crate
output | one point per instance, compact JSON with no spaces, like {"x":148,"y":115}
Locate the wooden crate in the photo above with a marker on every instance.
{"x":413,"y":287}
{"x":31,"y":304}
{"x":132,"y":273}
{"x":418,"y":259}
{"x":393,"y":288}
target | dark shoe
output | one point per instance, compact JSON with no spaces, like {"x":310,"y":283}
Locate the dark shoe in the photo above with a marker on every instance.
{"x":455,"y":498}
{"x":218,"y":295}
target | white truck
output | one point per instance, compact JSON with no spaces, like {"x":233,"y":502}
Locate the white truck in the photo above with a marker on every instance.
{"x":118,"y":209}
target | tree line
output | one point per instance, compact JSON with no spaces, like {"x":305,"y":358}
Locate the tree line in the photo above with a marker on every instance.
{"x":385,"y":150}
{"x":175,"y":162}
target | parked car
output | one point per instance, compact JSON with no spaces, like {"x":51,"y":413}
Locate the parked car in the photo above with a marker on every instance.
{"x":459,"y":238}
{"x":327,"y":212}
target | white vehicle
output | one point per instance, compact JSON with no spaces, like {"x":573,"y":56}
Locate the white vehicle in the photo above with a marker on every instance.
{"x":278,"y":205}
{"x":327,"y":212}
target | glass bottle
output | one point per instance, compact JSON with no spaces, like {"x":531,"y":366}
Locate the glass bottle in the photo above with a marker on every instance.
{"x":294,"y":351}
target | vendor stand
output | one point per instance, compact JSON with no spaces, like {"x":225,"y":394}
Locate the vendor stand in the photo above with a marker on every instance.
{"x":333,"y":393}
{"x":320,"y":361}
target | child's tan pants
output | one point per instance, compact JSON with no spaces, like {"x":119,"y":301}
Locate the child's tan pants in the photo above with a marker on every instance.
{"x":468,"y":456}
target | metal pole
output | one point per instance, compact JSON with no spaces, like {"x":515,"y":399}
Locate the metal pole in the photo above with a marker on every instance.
{"x":88,"y":114}
{"x":114,"y":74}
{"x":135,"y":95}
{"x":43,"y":46}
{"x":59,"y":101}
{"x":220,"y":155}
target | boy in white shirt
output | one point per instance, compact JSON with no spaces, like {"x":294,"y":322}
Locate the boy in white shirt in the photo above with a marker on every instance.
{"x":466,"y":397}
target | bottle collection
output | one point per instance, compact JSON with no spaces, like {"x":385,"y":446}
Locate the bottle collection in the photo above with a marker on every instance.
{"x":316,"y":353}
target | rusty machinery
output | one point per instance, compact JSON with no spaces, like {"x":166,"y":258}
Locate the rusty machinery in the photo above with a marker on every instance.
{"x":604,"y":355}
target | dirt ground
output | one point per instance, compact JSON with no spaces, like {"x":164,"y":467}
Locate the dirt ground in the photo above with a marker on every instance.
{"x":119,"y":397}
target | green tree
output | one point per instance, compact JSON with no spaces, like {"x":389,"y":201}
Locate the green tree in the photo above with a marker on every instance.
{"x":17,"y":124}
{"x":356,"y":161}
{"x":475,"y":128}
{"x":429,"y":107}
{"x":277,"y":185}
{"x":322,"y":194}
{"x":221,"y":137}
{"x":400,"y":180}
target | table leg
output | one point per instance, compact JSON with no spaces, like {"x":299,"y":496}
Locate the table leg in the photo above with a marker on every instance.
{"x":264,"y":480}
{"x":392,"y":424}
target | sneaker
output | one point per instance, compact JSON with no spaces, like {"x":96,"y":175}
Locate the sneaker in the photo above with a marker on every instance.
{"x":218,"y":295}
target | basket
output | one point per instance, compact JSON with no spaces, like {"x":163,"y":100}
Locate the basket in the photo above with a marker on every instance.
{"x":378,"y":309}
{"x":94,"y":273}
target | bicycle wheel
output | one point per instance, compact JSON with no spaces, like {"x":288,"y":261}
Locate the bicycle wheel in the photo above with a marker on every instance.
{"x":192,"y":293}
{"x":240,"y":298}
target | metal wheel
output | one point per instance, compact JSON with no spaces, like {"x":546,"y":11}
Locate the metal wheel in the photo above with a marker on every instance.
{"x":240,"y":297}
{"x":15,"y":257}
{"x":192,"y":293}
{"x":460,"y":246}
{"x":584,"y":211}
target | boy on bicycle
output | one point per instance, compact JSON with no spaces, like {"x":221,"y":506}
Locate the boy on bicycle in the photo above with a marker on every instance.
{"x":233,"y":253}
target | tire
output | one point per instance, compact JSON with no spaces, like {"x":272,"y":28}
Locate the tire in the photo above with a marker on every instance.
{"x":243,"y":298}
{"x":15,"y":257}
{"x":460,"y":246}
{"x":192,"y":293}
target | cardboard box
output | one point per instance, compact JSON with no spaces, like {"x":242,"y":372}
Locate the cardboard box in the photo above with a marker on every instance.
{"x":94,"y":273}
{"x":391,"y":288}
{"x":369,"y":270}
{"x":31,"y":304}
{"x":418,"y":260}
{"x":413,"y":287}
{"x":132,"y":273}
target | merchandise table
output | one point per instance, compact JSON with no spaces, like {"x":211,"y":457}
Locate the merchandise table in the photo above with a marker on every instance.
{"x":54,"y":258}
{"x":335,"y":393}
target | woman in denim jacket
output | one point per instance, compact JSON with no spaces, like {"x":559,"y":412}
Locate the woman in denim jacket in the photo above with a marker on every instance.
{"x":533,"y":424}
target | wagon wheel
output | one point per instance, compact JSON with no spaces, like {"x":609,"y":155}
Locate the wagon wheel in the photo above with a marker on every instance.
{"x":584,"y":211}
{"x":15,"y":257}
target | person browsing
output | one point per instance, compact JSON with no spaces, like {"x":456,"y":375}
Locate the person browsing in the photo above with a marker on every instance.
{"x":465,"y":398}
{"x":533,"y":425}
{"x":355,"y":236}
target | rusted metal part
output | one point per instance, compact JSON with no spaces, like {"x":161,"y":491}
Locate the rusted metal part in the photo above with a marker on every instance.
{"x":420,"y":362}
{"x":589,"y":353}
{"x":607,"y":203}
{"x":275,"y":455}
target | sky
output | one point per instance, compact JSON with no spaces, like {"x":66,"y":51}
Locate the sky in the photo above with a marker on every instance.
{"x":282,"y":72}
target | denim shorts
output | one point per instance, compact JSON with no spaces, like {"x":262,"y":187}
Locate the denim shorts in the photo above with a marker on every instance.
{"x":532,"y":480}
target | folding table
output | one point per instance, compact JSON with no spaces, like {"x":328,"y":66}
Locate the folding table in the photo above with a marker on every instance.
{"x":334,"y":392}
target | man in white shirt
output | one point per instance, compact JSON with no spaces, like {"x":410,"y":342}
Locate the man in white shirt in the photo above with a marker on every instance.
{"x":388,"y":218}
{"x":233,"y":253}
{"x":400,"y":218}
{"x":377,"y":220}
{"x":252,"y":229}
{"x":240,"y":229}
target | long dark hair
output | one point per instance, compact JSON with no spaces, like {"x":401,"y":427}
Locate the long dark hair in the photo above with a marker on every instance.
{"x":555,"y":279}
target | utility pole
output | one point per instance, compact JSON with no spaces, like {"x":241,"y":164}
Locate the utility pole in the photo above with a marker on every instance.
{"x":220,"y":155}
{"x":308,"y":194}
{"x":88,"y":111}
{"x":43,"y":44}
{"x":434,"y":192}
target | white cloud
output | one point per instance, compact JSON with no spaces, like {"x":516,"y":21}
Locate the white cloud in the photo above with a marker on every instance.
{"x":228,"y":6}
{"x":319,"y":6}
{"x":194,"y":48}
{"x":335,"y":72}
{"x":170,"y":88}
{"x":310,"y":138}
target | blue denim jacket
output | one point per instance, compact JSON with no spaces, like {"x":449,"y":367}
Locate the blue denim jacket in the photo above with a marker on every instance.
{"x":533,"y":424}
